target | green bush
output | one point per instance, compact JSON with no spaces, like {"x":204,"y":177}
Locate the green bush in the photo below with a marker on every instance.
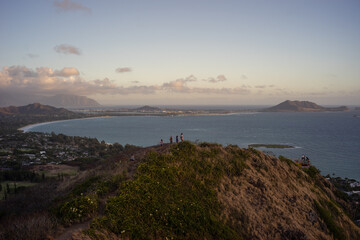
{"x":78,"y":208}
{"x":312,"y":171}
{"x":287,"y":160}
{"x":88,"y":185}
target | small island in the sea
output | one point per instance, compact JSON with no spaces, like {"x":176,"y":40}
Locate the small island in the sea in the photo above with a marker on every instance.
{"x":258,"y":145}
{"x":303,"y":106}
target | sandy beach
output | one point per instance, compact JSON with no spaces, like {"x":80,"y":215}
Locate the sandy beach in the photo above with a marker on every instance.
{"x":27,"y":128}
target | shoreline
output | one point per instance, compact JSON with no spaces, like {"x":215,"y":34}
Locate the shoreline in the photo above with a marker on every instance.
{"x":27,"y":128}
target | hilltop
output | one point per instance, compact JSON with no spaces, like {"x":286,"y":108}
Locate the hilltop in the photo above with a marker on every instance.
{"x":12,"y":118}
{"x":302,"y":106}
{"x":33,"y":109}
{"x":187,"y":191}
{"x":148,"y":108}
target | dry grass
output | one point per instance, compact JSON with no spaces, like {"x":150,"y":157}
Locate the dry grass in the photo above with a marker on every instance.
{"x":268,"y":202}
{"x":31,"y":227}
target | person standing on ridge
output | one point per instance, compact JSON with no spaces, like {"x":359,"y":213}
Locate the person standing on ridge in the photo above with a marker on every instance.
{"x":171,"y":139}
{"x":182,"y":137}
{"x":177,"y":139}
{"x":161,"y":142}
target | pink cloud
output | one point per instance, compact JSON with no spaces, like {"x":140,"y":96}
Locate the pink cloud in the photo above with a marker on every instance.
{"x":123,"y":69}
{"x":67,"y":49}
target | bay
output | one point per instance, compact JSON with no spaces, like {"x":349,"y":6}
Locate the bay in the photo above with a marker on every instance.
{"x":330,"y":139}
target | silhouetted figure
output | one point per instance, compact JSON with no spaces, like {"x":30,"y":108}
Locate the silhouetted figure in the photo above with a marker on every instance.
{"x":161,"y":142}
{"x":171,"y":140}
{"x":177,"y":139}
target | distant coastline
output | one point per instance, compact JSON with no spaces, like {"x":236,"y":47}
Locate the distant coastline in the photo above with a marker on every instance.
{"x":30,"y":126}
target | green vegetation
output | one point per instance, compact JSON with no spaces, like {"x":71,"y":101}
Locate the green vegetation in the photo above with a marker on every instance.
{"x":172,"y":196}
{"x":19,"y":175}
{"x":79,"y":208}
{"x":7,"y":187}
{"x":270,"y":146}
{"x":328,"y":215}
{"x":312,"y":171}
{"x":287,"y":160}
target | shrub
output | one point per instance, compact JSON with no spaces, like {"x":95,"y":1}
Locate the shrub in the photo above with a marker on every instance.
{"x":312,"y":171}
{"x":287,"y":160}
{"x":78,"y":208}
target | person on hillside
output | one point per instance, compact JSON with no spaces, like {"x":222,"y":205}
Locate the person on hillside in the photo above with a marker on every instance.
{"x":182,"y":137}
{"x":177,"y":139}
{"x":171,"y":140}
{"x":161,"y":142}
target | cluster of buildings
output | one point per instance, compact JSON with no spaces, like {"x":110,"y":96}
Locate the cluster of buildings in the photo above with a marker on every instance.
{"x":18,"y":149}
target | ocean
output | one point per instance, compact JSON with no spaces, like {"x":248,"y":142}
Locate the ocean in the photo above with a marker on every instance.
{"x":330,"y":139}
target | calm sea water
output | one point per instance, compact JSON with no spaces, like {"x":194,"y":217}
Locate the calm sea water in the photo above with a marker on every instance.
{"x":331,"y":140}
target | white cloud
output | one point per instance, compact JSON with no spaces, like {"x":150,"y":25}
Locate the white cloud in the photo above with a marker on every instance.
{"x":66,"y":72}
{"x":181,"y":86}
{"x":67,"y":49}
{"x":46,"y":81}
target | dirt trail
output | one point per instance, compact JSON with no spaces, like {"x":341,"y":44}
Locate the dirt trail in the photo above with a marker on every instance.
{"x":67,"y":234}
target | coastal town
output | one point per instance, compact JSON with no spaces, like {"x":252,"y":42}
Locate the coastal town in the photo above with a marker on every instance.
{"x":25,"y":149}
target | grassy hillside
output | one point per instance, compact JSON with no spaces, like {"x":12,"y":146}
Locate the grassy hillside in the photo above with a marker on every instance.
{"x":205,"y":191}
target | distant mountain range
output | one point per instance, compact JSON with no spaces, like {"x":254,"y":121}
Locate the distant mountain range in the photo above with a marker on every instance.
{"x":33,"y":109}
{"x":60,"y":100}
{"x":302,"y":106}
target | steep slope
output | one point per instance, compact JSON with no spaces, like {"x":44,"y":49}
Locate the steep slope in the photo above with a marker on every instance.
{"x":301,"y":106}
{"x":185,"y":191}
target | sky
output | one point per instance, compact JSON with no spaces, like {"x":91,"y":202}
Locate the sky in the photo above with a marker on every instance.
{"x":186,"y":52}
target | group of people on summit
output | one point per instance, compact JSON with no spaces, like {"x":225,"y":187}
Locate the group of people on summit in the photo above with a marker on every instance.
{"x":171,"y":139}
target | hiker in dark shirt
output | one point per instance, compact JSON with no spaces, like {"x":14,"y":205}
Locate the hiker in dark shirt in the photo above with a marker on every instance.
{"x":177,"y":139}
{"x":171,"y":140}
{"x":161,"y":142}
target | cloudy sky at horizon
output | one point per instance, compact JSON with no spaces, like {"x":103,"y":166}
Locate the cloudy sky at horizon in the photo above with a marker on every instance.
{"x":183,"y":52}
